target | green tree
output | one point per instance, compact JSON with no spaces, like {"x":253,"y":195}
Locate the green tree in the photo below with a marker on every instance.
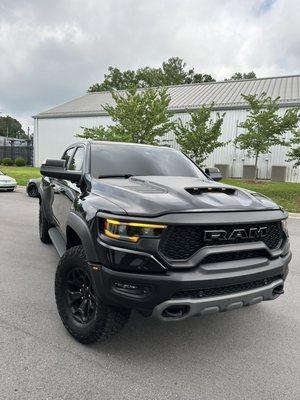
{"x":294,"y":155}
{"x":199,"y":137}
{"x":294,"y":152}
{"x":242,"y":75}
{"x":139,"y":116}
{"x":172,"y":72}
{"x":98,"y":133}
{"x":264,"y":127}
{"x":11,"y":127}
{"x":116,"y":79}
{"x":193,"y":77}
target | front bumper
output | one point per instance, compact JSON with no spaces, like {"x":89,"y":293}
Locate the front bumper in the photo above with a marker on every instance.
{"x":7,"y":185}
{"x":156,"y":291}
{"x":178,"y":309}
{"x":138,"y":276}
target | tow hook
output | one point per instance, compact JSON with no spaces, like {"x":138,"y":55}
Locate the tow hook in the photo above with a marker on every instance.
{"x":278,"y":290}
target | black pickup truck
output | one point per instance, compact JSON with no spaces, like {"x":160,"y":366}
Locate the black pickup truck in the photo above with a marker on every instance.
{"x":143,"y":228}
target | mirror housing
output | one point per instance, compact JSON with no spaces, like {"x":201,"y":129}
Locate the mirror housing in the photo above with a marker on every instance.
{"x":57,"y":169}
{"x":214,"y":173}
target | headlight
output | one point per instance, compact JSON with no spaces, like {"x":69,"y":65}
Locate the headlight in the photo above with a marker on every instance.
{"x":131,"y":231}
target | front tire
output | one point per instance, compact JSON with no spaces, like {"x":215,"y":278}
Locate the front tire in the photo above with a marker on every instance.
{"x":44,"y":226}
{"x":83,"y":313}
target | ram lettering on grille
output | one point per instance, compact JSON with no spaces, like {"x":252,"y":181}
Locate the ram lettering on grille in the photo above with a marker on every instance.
{"x":252,"y":233}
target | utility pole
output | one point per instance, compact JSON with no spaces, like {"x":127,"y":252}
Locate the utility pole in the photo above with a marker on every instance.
{"x":7,"y":126}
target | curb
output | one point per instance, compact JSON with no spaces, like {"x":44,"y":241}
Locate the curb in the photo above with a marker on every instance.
{"x":294,"y":216}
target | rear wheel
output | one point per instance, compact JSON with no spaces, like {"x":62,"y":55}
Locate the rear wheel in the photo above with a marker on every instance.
{"x":83,"y":313}
{"x":32,"y":191}
{"x":44,"y":226}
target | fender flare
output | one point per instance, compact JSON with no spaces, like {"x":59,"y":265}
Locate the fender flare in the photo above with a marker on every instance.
{"x":79,"y":226}
{"x":45,"y":201}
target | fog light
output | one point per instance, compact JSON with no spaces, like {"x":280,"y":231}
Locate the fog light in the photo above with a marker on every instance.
{"x":138,"y":290}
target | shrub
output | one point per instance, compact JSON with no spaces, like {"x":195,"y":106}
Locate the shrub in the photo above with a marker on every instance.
{"x":20,"y":162}
{"x":7,"y":161}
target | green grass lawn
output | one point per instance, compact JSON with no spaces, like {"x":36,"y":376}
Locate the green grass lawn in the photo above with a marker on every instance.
{"x":21,"y":174}
{"x":284,"y":193}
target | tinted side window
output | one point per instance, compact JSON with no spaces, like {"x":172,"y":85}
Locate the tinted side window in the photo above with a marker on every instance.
{"x":76,"y":163}
{"x":67,"y":155}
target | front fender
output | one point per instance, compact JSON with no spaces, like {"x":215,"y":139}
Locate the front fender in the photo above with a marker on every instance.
{"x":46,"y":198}
{"x":81,"y":228}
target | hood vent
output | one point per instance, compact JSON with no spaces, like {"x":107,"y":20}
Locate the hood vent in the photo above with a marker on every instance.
{"x":200,"y":190}
{"x":147,"y":189}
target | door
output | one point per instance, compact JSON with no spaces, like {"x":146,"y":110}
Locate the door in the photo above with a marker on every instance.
{"x":65,"y":191}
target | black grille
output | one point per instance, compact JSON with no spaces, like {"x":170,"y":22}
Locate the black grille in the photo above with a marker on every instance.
{"x":233,"y":256}
{"x":198,"y":293}
{"x":181,"y":242}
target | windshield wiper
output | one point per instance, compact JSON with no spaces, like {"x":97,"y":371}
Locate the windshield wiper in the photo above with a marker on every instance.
{"x":126,"y":176}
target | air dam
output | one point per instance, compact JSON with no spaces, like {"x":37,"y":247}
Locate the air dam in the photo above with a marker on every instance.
{"x":177,"y":310}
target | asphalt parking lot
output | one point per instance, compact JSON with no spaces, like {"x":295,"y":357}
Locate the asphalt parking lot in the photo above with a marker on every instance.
{"x":252,"y":353}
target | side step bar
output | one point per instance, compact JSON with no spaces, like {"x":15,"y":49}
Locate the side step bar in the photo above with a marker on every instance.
{"x":57,"y":240}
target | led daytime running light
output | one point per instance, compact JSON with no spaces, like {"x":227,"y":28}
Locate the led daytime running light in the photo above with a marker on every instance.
{"x":119,"y":230}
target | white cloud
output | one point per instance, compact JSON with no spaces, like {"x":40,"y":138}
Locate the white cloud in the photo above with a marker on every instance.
{"x":52,"y":51}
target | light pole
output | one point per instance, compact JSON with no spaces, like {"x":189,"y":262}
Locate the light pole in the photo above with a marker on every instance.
{"x":7,"y":126}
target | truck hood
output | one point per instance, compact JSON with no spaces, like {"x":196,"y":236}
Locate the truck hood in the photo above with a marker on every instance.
{"x":159,"y":195}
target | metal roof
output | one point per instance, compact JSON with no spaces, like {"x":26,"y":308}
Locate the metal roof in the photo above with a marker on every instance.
{"x":224,"y":95}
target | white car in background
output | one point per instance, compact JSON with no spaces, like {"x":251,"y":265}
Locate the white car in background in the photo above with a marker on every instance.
{"x":7,"y":183}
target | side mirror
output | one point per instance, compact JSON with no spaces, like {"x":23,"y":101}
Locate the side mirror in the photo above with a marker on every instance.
{"x":214,"y":173}
{"x":57,"y":169}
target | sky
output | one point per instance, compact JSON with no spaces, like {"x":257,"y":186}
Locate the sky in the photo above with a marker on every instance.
{"x":52,"y":51}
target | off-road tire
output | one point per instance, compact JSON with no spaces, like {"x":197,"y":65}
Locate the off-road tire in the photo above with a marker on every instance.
{"x":44,"y":226}
{"x":32,"y":190}
{"x":106,"y":320}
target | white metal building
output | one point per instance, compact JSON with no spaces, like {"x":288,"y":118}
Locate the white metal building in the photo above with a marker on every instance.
{"x":56,"y":128}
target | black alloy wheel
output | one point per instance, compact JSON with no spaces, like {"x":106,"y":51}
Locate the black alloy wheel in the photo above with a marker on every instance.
{"x":32,"y":191}
{"x":80,"y":294}
{"x":82,"y":310}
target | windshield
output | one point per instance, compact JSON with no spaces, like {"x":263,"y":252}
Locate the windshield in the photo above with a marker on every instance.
{"x":126,"y":160}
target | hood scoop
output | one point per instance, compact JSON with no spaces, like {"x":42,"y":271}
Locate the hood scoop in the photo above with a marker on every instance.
{"x":144,"y":189}
{"x":196,"y":191}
